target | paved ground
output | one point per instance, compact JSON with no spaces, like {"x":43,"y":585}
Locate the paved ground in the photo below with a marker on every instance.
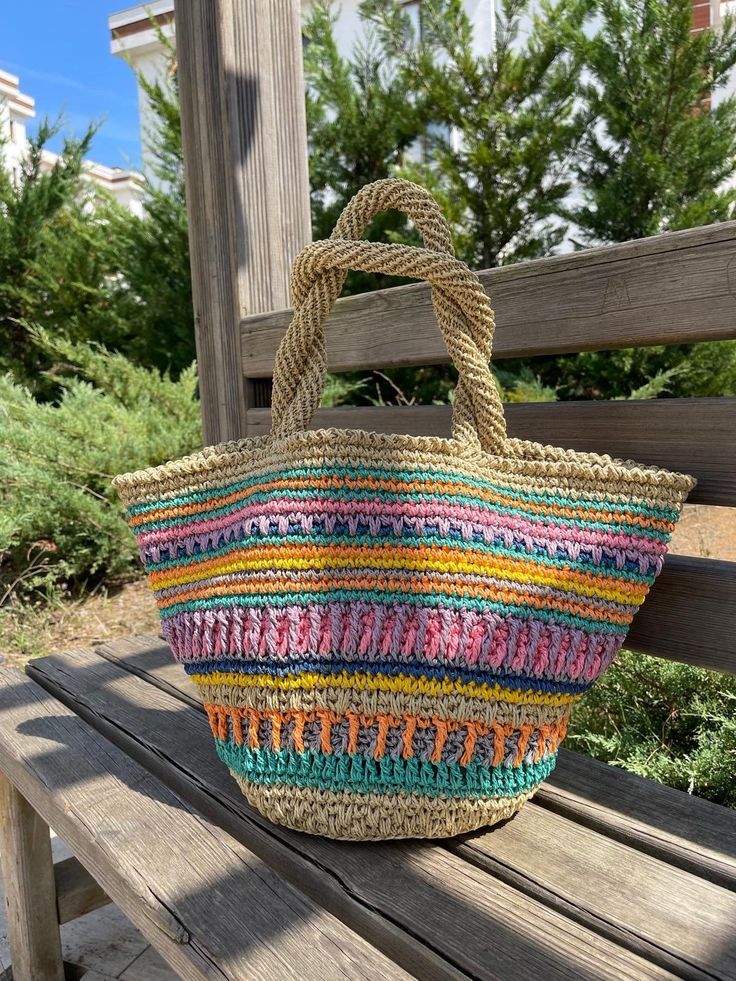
{"x":105,"y":942}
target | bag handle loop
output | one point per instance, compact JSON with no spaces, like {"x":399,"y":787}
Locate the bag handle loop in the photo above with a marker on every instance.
{"x":461,"y":306}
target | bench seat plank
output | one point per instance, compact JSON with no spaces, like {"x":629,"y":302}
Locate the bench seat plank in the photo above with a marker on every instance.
{"x":685,"y":831}
{"x":599,"y":899}
{"x":480,"y":924}
{"x":618,"y":890}
{"x":207,"y":904}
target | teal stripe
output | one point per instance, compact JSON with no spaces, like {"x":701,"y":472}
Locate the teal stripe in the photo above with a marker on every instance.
{"x":413,"y":476}
{"x":460,"y":546}
{"x":375,"y":596}
{"x":360,"y":774}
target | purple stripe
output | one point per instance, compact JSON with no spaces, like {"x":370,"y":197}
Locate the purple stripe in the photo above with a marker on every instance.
{"x":280,"y":517}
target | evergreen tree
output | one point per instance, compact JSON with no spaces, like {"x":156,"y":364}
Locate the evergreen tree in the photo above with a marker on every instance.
{"x":656,"y":160}
{"x":659,"y":154}
{"x":362,"y":117}
{"x":54,"y":255}
{"x":154,"y":289}
{"x":505,"y":123}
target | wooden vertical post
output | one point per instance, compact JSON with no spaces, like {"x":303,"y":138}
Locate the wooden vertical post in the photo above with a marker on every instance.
{"x":245,"y":152}
{"x":30,"y":892}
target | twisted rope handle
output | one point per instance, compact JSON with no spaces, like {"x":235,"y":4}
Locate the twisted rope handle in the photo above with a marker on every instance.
{"x":460,"y":303}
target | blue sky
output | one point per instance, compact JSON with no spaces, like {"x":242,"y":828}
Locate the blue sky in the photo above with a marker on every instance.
{"x":61,"y":51}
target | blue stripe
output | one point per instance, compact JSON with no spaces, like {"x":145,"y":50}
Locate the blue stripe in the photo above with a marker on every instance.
{"x":459,"y":545}
{"x":336,"y":665}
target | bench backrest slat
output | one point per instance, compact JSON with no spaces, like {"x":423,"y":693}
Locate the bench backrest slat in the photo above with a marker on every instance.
{"x":663,"y":290}
{"x":688,"y":435}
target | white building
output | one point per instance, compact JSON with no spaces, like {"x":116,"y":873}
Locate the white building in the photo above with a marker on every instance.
{"x":16,"y":110}
{"x":134,"y":35}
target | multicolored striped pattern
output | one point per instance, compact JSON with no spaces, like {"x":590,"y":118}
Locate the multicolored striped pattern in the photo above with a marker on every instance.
{"x":388,"y":650}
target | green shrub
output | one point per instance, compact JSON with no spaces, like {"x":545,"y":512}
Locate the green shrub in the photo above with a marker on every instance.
{"x":671,"y":722}
{"x":59,"y":517}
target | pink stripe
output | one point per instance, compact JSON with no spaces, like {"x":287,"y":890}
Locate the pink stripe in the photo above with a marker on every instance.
{"x":402,"y":633}
{"x":401,"y":516}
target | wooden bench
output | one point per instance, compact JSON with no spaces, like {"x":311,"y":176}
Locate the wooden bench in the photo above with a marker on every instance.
{"x":603,"y":875}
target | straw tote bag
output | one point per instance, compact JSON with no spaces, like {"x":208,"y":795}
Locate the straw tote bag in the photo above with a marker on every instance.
{"x":389,"y":632}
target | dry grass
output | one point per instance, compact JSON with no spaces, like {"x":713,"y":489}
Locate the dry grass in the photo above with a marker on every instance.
{"x":32,"y":631}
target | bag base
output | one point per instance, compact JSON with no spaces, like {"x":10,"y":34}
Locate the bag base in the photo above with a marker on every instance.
{"x":352,"y":816}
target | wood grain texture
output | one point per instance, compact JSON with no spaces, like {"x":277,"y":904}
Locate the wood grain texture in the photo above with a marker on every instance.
{"x":687,"y":832}
{"x":77,"y":892}
{"x":212,"y":218}
{"x":661,"y":290}
{"x":637,"y":900}
{"x":28,"y":878}
{"x":207,"y":904}
{"x":694,"y":436}
{"x":690,"y":614}
{"x":241,"y":87}
{"x":481,"y":927}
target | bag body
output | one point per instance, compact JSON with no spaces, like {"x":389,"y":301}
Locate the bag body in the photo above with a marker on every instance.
{"x":389,"y":632}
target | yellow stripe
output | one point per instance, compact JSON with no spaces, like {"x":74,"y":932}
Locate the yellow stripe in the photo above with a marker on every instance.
{"x":566,"y":580}
{"x":381,"y":682}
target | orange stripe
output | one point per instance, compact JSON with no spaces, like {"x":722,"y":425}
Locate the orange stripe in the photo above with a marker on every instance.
{"x":299,"y":719}
{"x":550,"y":735}
{"x":478,"y":563}
{"x":253,"y":729}
{"x":524,"y":737}
{"x":325,"y":719}
{"x":237,"y":720}
{"x":383,"y":727}
{"x":470,"y":741}
{"x":440,"y":740}
{"x":399,"y":487}
{"x":275,"y":730}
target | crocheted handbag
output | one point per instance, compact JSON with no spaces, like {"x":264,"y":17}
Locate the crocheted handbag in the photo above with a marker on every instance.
{"x":389,"y":632}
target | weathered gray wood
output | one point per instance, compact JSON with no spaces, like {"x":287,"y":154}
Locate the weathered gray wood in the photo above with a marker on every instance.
{"x":207,"y":904}
{"x":245,"y":151}
{"x":690,"y":614}
{"x":688,"y":832}
{"x":662,"y":290}
{"x":483,"y":927}
{"x":77,"y":892}
{"x":684,"y":831}
{"x":694,"y":436}
{"x":636,"y":900}
{"x":28,"y":877}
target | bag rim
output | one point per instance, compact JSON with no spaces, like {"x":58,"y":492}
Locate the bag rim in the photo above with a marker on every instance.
{"x":527,"y":459}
